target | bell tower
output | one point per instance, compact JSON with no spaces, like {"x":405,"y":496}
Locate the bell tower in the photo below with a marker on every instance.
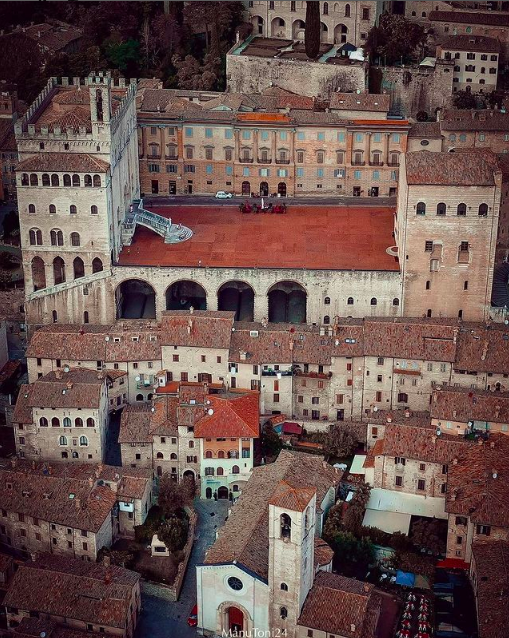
{"x":292,"y":520}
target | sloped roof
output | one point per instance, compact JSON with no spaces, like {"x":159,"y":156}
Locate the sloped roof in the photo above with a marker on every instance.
{"x":470,"y":43}
{"x":483,"y":348}
{"x":421,"y":444}
{"x":360,"y":102}
{"x":295,"y":499}
{"x":198,"y":329}
{"x":60,"y":162}
{"x":494,"y":19}
{"x":475,"y":168}
{"x":466,"y":404}
{"x":231,"y":417}
{"x":492,"y":586}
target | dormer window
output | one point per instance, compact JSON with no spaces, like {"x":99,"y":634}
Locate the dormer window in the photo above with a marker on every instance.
{"x":286,"y":526}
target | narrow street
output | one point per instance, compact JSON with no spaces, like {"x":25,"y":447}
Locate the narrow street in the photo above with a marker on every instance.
{"x":163,"y":619}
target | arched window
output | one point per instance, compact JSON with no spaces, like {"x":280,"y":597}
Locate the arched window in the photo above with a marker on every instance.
{"x":55,"y":422}
{"x":208,"y":454}
{"x":67,"y":422}
{"x":191,"y":444}
{"x":93,"y":209}
{"x":325,"y":8}
{"x":35,"y":237}
{"x":78,"y":268}
{"x":75,"y":239}
{"x":347,"y":10}
{"x":326,"y":301}
{"x":441,"y":208}
{"x":285,"y":523}
{"x":76,"y":180}
{"x":97,"y":181}
{"x":43,"y":422}
{"x":421,"y":208}
{"x":85,"y":317}
{"x":220,"y":471}
{"x":73,"y":210}
{"x":90,"y":422}
{"x":462,"y":209}
{"x":326,"y":319}
{"x":24,"y":179}
{"x":173,"y":456}
{"x":56,"y":237}
{"x":62,"y":440}
{"x":284,"y":586}
{"x":97,"y":265}
{"x":31,"y":209}
{"x":34,"y":180}
{"x":483,"y":210}
{"x":235,"y":469}
{"x":78,"y":422}
{"x":209,"y":471}
{"x":54,"y":180}
{"x":75,"y":455}
{"x":54,"y":316}
{"x":87,"y":181}
{"x":139,"y":397}
{"x":350,"y":301}
{"x":373,"y":301}
{"x":45,"y":179}
{"x":283,"y":612}
{"x":395,"y":301}
{"x":83,"y":440}
{"x":67,"y":180}
{"x":402,"y":397}
{"x":52,"y":209}
{"x":220,"y":454}
{"x":58,"y":270}
{"x":159,"y":455}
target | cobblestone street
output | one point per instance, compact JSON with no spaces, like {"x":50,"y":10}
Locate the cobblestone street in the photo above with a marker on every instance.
{"x":163,"y":619}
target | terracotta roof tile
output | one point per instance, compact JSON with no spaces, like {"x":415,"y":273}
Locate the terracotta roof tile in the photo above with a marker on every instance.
{"x":473,"y":120}
{"x":245,"y":535}
{"x":465,"y":404}
{"x":492,"y":585}
{"x":323,"y":552}
{"x":463,"y":17}
{"x":200,"y":329}
{"x":290,"y":497}
{"x":429,"y":130}
{"x":70,"y":588}
{"x":483,"y":348}
{"x":472,"y":168}
{"x":231,"y":417}
{"x":470,"y":43}
{"x":421,"y":444}
{"x":360,"y":102}
{"x":63,"y":162}
{"x":337,"y":605}
{"x":55,"y":36}
{"x":478,"y":484}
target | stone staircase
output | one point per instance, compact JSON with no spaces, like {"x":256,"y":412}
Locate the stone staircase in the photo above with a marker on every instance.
{"x":163,"y":226}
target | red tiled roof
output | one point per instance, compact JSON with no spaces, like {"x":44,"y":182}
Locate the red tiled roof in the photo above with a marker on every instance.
{"x":495,"y":19}
{"x":470,"y":43}
{"x":63,"y":162}
{"x":360,"y":102}
{"x":465,"y":404}
{"x":292,"y":498}
{"x":483,"y":348}
{"x":421,"y":444}
{"x":492,"y":586}
{"x":323,"y":552}
{"x":263,"y":117}
{"x":339,"y":238}
{"x":197,"y":329}
{"x":231,"y":417}
{"x":468,"y":168}
{"x":337,"y":605}
{"x":478,"y":484}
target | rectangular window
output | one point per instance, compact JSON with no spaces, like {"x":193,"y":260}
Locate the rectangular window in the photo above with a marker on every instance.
{"x":421,"y":484}
{"x":319,"y":172}
{"x":171,"y":168}
{"x":340,"y":398}
{"x":359,"y":137}
{"x":282,"y":172}
{"x":395,"y":138}
{"x":428,"y":246}
{"x":305,"y":412}
{"x":379,"y":378}
{"x":399,"y":481}
{"x":229,"y":170}
{"x":321,"y":137}
{"x":300,"y":172}
{"x":301,"y":135}
{"x":341,"y":137}
{"x":189,"y":132}
{"x":176,"y":357}
{"x":264,"y":136}
{"x":245,"y":171}
{"x":377,"y":137}
{"x":209,"y":169}
{"x":422,"y":467}
{"x":283,"y":135}
{"x":189,"y":168}
{"x":246,"y":135}
{"x":228,"y":134}
{"x":483,"y":530}
{"x":264,"y":172}
{"x":376,"y":175}
{"x":357,"y":174}
{"x":315,"y":400}
{"x":208,"y":132}
{"x":209,"y":153}
{"x":378,"y":397}
{"x":365,"y":14}
{"x":153,"y":168}
{"x":276,"y":398}
{"x":399,"y":460}
{"x":380,"y":361}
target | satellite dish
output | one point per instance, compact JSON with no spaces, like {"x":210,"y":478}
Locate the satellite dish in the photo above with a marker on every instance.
{"x":152,"y":409}
{"x":66,"y":368}
{"x":207,"y":401}
{"x":495,"y":475}
{"x":106,"y":338}
{"x":375,"y":409}
{"x":438,"y":432}
{"x":138,"y":378}
{"x":210,"y":411}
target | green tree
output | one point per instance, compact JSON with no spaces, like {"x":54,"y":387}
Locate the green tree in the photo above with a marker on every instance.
{"x":173,"y":533}
{"x":354,"y":515}
{"x":339,"y":441}
{"x":395,"y":39}
{"x":428,"y":534}
{"x":333,"y":523}
{"x":349,"y":549}
{"x":271,"y":443}
{"x":464,"y":100}
{"x":123,"y":55}
{"x":170,"y":495}
{"x":312,"y":32}
{"x":10,"y":223}
{"x":217,"y":20}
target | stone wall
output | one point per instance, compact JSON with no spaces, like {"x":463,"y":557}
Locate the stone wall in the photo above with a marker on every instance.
{"x":414,"y":89}
{"x":253,"y":74}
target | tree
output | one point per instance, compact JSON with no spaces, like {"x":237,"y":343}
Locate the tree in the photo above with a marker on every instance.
{"x":349,"y":549}
{"x":123,"y":55}
{"x":271,"y":443}
{"x":10,"y":223}
{"x":354,"y":515}
{"x":217,"y":20}
{"x":428,"y":534}
{"x":170,"y":495}
{"x":339,"y":442}
{"x":333,"y":524}
{"x":312,"y":32}
{"x":464,"y":100}
{"x":173,"y":533}
{"x":395,"y":39}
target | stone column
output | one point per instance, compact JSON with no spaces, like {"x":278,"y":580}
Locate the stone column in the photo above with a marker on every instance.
{"x":236,"y":134}
{"x":367,"y":155}
{"x":349,"y":148}
{"x":255,"y":146}
{"x":385,"y":157}
{"x":273,"y":146}
{"x":162,"y":142}
{"x":261,"y":306}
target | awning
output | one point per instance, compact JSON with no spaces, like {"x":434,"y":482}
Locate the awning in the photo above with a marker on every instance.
{"x":453,"y":563}
{"x":389,"y":522}
{"x":357,"y":466}
{"x":406,"y":579}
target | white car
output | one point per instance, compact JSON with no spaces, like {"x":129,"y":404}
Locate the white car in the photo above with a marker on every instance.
{"x":223,"y":195}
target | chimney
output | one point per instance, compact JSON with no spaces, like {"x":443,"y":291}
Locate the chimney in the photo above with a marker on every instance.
{"x":50,"y":470}
{"x":494,"y":473}
{"x":455,"y":461}
{"x":492,"y":444}
{"x":33,"y":465}
{"x":408,"y":414}
{"x":33,"y":556}
{"x":366,"y":587}
{"x":389,"y":418}
{"x":479,"y":441}
{"x":69,"y":385}
{"x":191,"y":310}
{"x":434,"y":439}
{"x":14,"y":461}
{"x":106,"y":561}
{"x":91,"y":482}
{"x":58,"y":374}
{"x":264,"y":322}
{"x":107,"y":576}
{"x":77,"y":503}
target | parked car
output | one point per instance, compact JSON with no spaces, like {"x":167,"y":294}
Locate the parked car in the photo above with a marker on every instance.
{"x":192,"y":621}
{"x":223,"y":195}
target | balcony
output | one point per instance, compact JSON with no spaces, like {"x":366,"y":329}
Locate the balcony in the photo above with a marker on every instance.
{"x":172,"y":158}
{"x":358,"y":163}
{"x":376,"y":163}
{"x":154,"y":157}
{"x":282,"y":161}
{"x":264,"y":161}
{"x":246,"y":160}
{"x":393,"y":164}
{"x":314,"y":375}
{"x":274,"y":373}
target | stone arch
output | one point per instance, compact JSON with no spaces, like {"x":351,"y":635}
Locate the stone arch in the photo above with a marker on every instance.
{"x":246,"y":188}
{"x":34,"y":180}
{"x":226,"y":619}
{"x":97,"y":265}
{"x":257,"y":22}
{"x":287,"y":302}
{"x":278,"y":28}
{"x":237,"y":296}
{"x":298,"y":29}
{"x":38,"y":273}
{"x":58,"y":270}
{"x":78,"y":267}
{"x":324,"y":28}
{"x":184,"y":293}
{"x":340,"y":33}
{"x":55,"y":181}
{"x":135,"y":299}
{"x":67,"y":180}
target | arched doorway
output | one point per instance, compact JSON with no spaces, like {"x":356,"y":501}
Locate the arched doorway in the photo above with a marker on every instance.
{"x":246,"y":188}
{"x":58,"y":270}
{"x":257,"y":23}
{"x":278,"y":28}
{"x":340,"y":34}
{"x":235,"y":620}
{"x":159,"y":470}
{"x":237,"y":296}
{"x":281,"y":189}
{"x":264,"y":189}
{"x":287,"y":302}
{"x":97,"y":265}
{"x":38,"y":273}
{"x":78,"y":267}
{"x":222,"y":493}
{"x":135,"y":300}
{"x":298,"y":29}
{"x":208,"y":492}
{"x":183,"y":294}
